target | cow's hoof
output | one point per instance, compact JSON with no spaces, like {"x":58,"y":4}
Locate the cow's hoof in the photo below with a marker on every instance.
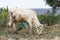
{"x":15,"y":32}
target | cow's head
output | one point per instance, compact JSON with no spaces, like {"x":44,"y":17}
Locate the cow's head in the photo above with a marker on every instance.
{"x":40,"y":29}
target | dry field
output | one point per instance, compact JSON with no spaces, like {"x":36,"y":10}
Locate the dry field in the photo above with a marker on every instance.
{"x":49,"y":33}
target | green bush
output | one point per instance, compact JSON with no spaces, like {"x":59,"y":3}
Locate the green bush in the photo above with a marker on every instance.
{"x":3,"y":17}
{"x":49,"y":18}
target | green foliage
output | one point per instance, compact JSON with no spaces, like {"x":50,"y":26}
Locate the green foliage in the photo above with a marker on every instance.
{"x":49,"y":19}
{"x":58,"y":18}
{"x":3,"y":17}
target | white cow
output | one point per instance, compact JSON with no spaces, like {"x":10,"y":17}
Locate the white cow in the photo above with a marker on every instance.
{"x":24,"y":15}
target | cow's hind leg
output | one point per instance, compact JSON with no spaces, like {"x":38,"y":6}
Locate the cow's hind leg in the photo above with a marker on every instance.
{"x":14,"y":28}
{"x":9,"y":26}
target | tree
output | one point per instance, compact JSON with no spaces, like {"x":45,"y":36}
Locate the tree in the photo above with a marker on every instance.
{"x":54,"y":4}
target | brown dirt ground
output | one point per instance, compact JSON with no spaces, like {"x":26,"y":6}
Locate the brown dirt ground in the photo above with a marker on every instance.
{"x":49,"y":33}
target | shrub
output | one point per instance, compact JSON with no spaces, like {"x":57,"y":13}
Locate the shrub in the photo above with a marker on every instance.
{"x":3,"y":17}
{"x":49,"y":19}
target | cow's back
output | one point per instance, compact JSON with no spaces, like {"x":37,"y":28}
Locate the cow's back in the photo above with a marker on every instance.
{"x":24,"y":13}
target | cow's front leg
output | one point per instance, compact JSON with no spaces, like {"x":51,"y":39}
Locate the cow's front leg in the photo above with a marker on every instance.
{"x":30,"y":26}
